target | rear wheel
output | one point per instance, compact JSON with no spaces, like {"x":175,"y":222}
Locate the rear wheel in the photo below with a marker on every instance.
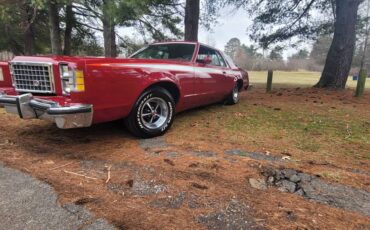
{"x":233,"y":97}
{"x":153,"y":113}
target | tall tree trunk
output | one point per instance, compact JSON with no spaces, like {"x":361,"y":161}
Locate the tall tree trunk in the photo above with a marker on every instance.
{"x":367,"y":34}
{"x":109,"y":33}
{"x":56,"y":47}
{"x":339,"y":59}
{"x":70,"y":23}
{"x":192,"y":20}
{"x":27,"y":15}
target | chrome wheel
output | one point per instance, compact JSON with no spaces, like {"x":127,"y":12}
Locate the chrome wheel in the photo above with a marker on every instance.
{"x":154,"y":113}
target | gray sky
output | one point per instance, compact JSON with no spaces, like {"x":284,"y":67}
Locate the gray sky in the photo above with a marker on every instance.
{"x":232,"y":24}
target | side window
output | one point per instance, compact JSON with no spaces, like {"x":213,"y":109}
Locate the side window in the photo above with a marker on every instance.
{"x":230,"y":61}
{"x":222,"y":61}
{"x":203,"y":53}
{"x":216,"y":58}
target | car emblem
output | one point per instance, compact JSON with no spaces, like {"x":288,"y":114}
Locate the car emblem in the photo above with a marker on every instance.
{"x":36,"y":83}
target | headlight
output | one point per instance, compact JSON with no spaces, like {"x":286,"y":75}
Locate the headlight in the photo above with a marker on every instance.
{"x":72,"y":80}
{"x":1,"y":74}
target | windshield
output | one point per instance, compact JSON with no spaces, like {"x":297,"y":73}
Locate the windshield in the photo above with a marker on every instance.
{"x":182,"y":52}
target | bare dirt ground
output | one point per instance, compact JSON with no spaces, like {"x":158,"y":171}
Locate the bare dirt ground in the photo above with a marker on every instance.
{"x":294,"y":159}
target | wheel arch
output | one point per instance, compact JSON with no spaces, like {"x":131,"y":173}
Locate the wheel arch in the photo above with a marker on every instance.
{"x":240,"y":83}
{"x":171,"y":87}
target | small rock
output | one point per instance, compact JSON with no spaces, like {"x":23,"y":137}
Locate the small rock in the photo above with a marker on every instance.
{"x":300,"y":192}
{"x":288,"y":172}
{"x":295,"y":178}
{"x":286,"y":186}
{"x":270,"y":179}
{"x":258,"y":183}
{"x":278,"y":175}
{"x":304,"y":177}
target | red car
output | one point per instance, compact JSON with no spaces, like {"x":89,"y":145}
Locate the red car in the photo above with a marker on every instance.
{"x":146,"y":90}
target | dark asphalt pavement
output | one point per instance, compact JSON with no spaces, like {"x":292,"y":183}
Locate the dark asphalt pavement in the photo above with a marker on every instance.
{"x":27,"y":203}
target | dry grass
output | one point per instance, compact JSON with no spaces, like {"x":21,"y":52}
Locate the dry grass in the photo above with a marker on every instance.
{"x":325,"y":133}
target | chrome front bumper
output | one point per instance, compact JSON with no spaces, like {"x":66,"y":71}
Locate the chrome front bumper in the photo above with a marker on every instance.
{"x":28,"y":107}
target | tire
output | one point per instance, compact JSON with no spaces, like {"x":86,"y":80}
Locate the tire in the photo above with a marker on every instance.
{"x":152,"y":114}
{"x":233,"y":97}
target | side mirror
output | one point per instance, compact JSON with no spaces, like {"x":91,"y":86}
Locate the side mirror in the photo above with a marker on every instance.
{"x":205,"y":61}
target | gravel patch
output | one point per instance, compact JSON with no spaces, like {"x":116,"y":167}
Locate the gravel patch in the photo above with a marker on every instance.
{"x":157,"y":142}
{"x":145,"y":188}
{"x":117,"y":188}
{"x":316,"y":189}
{"x":235,"y":217}
{"x":170,"y":201}
{"x":204,"y":154}
{"x":255,"y":156}
{"x":359,"y":171}
{"x":172,"y":154}
{"x":184,"y":199}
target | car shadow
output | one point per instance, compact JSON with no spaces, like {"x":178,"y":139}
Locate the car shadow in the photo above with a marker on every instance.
{"x":47,"y":139}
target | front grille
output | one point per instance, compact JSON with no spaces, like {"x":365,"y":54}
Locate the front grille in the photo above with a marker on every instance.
{"x":33,"y":77}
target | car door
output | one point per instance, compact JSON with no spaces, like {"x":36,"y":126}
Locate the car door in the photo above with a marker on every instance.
{"x":227,"y":82}
{"x":209,"y":77}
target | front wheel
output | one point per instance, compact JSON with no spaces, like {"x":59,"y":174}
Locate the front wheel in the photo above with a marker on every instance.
{"x":233,"y":97}
{"x":153,"y":113}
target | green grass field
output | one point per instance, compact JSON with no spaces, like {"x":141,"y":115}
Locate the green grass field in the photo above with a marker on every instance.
{"x":294,"y":79}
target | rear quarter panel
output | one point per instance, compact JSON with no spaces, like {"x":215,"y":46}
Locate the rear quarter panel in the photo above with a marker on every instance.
{"x":245,"y":78}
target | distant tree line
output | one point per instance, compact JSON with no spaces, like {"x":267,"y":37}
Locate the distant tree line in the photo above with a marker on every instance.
{"x":254,"y":58}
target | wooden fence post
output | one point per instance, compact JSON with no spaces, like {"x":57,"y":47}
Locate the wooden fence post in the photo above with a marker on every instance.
{"x":361,"y":83}
{"x":269,"y":81}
